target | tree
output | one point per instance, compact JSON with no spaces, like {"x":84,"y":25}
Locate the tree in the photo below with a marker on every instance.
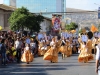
{"x":35,"y":22}
{"x":18,"y":19}
{"x":22,"y":18}
{"x":71,"y":26}
{"x":68,"y":27}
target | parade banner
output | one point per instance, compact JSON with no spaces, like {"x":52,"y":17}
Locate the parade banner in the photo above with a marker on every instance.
{"x":56,"y":22}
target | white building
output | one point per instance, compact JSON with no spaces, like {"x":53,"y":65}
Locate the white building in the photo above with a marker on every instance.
{"x":5,"y":12}
{"x":46,"y":25}
{"x":84,"y":18}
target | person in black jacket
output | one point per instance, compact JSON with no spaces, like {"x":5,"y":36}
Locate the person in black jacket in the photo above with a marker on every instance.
{"x":36,"y":50}
{"x":3,"y":54}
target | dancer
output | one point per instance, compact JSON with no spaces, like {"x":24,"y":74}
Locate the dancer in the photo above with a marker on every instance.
{"x":86,"y":49}
{"x":83,"y":56}
{"x":63,"y":48}
{"x":27,"y":55}
{"x":52,"y":53}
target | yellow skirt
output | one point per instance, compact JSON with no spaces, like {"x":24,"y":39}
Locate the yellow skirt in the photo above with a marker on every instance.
{"x":51,"y":55}
{"x":85,"y":57}
{"x":27,"y":57}
{"x":63,"y":49}
{"x":69,"y":51}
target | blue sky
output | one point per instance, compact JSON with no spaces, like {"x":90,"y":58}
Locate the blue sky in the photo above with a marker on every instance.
{"x":79,"y":4}
{"x":83,"y":4}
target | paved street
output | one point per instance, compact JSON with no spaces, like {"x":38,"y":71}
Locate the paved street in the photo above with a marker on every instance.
{"x":67,"y":66}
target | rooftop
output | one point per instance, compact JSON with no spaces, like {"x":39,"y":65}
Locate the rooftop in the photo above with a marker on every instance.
{"x":6,"y":7}
{"x":74,"y":10}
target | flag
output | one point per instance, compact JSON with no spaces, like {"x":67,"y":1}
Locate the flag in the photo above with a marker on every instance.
{"x":93,"y":28}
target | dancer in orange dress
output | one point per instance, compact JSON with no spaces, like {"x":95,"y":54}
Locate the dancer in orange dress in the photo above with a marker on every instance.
{"x":69,"y":47}
{"x":63,"y":48}
{"x":27,"y":56}
{"x":40,"y":53}
{"x":83,"y":56}
{"x":52,"y":53}
{"x":87,"y":55}
{"x":89,"y":46}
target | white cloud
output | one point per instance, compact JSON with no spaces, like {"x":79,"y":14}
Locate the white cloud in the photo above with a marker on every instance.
{"x":1,"y":1}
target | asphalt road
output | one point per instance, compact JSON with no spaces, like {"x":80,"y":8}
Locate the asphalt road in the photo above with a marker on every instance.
{"x":67,"y":66}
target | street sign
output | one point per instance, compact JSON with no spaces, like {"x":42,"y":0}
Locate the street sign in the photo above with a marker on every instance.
{"x":99,"y":13}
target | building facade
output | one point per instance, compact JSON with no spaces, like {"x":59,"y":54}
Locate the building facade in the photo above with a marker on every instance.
{"x":82,"y":17}
{"x":38,"y":6}
{"x":5,"y":12}
{"x":46,"y":25}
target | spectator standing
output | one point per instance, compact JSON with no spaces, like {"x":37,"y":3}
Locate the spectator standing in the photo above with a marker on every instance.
{"x":18,"y":45}
{"x":3,"y":54}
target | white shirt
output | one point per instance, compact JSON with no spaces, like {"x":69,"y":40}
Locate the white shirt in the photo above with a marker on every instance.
{"x":32,"y":45}
{"x":98,"y":52}
{"x":18,"y":44}
{"x":26,"y":48}
{"x":52,"y":43}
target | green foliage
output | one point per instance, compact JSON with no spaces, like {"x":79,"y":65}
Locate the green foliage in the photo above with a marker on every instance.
{"x":33,"y":22}
{"x":68,"y":27}
{"x":18,"y":18}
{"x":22,"y":18}
{"x":71,"y":26}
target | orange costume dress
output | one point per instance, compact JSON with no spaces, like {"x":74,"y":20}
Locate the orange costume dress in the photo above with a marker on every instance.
{"x":41,"y":49}
{"x":89,"y":46}
{"x":52,"y":53}
{"x":27,"y":56}
{"x":85,"y":54}
{"x":69,"y":48}
{"x":63,"y":48}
